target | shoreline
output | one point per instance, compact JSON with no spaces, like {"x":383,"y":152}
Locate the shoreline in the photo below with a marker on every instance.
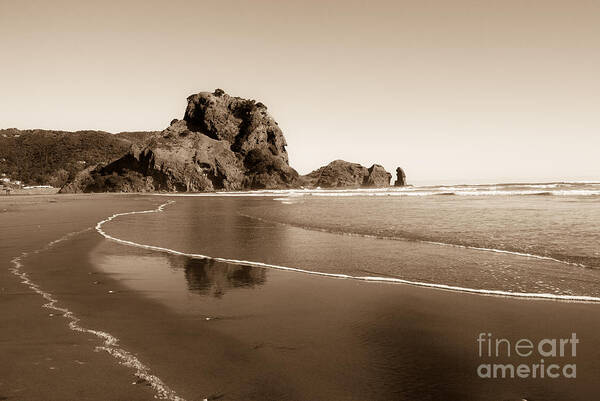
{"x":44,"y":359}
{"x":147,"y":321}
{"x":373,"y":279}
{"x":230,"y":345}
{"x":109,"y":343}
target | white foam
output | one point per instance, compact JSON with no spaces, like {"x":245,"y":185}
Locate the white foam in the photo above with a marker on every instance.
{"x":110,"y":343}
{"x":474,"y":190}
{"x":530,"y":295}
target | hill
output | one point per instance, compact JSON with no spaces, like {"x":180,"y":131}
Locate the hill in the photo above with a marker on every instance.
{"x":48,"y":157}
{"x":138,"y":137}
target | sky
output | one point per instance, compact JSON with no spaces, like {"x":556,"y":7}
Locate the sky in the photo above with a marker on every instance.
{"x":453,"y":91}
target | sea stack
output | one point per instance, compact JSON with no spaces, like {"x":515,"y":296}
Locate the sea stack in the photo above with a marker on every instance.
{"x":400,"y":178}
{"x":377,"y":177}
{"x":222,"y":143}
{"x":343,"y":174}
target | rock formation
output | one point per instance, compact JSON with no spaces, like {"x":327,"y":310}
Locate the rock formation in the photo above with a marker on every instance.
{"x":222,"y":143}
{"x":377,"y":177}
{"x":343,"y":174}
{"x":400,"y":178}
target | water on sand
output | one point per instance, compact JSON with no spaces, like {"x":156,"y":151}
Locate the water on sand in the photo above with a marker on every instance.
{"x":521,"y":245}
{"x":314,"y":337}
{"x":247,"y":331}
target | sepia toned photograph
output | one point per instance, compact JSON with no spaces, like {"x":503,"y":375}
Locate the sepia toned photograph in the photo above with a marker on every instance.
{"x":261,"y":200}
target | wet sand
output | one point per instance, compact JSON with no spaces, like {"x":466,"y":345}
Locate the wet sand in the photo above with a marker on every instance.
{"x":42,"y":359}
{"x":270,"y":335}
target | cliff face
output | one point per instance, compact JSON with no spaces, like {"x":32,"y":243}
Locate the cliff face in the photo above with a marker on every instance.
{"x":343,"y":174}
{"x":246,"y":125}
{"x":223,"y":143}
{"x":251,"y":133}
{"x":377,"y":177}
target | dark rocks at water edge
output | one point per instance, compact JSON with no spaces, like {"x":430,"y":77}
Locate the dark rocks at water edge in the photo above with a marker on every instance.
{"x":222,"y":143}
{"x":377,"y":177}
{"x":400,"y":178}
{"x":343,"y":174}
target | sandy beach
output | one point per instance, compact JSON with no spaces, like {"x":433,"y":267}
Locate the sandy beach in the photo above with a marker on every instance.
{"x":299,"y":201}
{"x":42,"y":358}
{"x":219,"y":331}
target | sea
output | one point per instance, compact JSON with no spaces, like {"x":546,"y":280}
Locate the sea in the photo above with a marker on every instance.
{"x":358,"y":294}
{"x":527,"y":240}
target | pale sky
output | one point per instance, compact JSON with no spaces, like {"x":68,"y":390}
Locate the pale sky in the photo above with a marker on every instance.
{"x":452,"y":91}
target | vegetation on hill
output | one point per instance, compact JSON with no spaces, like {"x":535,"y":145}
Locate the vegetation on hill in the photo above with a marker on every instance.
{"x":45,"y":157}
{"x":135,"y":136}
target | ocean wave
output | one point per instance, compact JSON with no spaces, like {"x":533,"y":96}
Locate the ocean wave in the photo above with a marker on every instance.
{"x":460,"y":193}
{"x":548,"y":189}
{"x":374,"y":279}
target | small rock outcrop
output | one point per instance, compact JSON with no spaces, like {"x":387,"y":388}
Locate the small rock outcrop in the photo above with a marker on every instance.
{"x":343,"y":174}
{"x":338,"y":173}
{"x":400,"y":178}
{"x":222,"y":143}
{"x":377,"y":177}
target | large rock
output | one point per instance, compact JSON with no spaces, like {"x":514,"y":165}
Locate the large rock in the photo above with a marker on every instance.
{"x":400,"y":178}
{"x":377,"y":177}
{"x":223,"y":143}
{"x":337,"y":174}
{"x":343,"y":174}
{"x":246,"y":125}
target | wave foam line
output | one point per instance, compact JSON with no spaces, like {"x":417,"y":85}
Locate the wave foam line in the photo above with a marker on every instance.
{"x":500,"y":293}
{"x":499,"y":190}
{"x":110,"y":342}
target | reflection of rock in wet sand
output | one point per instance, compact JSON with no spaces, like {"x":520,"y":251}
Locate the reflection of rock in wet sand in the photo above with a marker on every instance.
{"x":209,"y":277}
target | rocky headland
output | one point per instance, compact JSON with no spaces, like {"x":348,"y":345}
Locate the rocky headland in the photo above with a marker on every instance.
{"x":223,"y":143}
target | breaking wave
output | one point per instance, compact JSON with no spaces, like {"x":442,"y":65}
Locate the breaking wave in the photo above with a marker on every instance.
{"x":580,"y":188}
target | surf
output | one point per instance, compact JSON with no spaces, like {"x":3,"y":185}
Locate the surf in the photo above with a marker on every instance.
{"x":576,"y":188}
